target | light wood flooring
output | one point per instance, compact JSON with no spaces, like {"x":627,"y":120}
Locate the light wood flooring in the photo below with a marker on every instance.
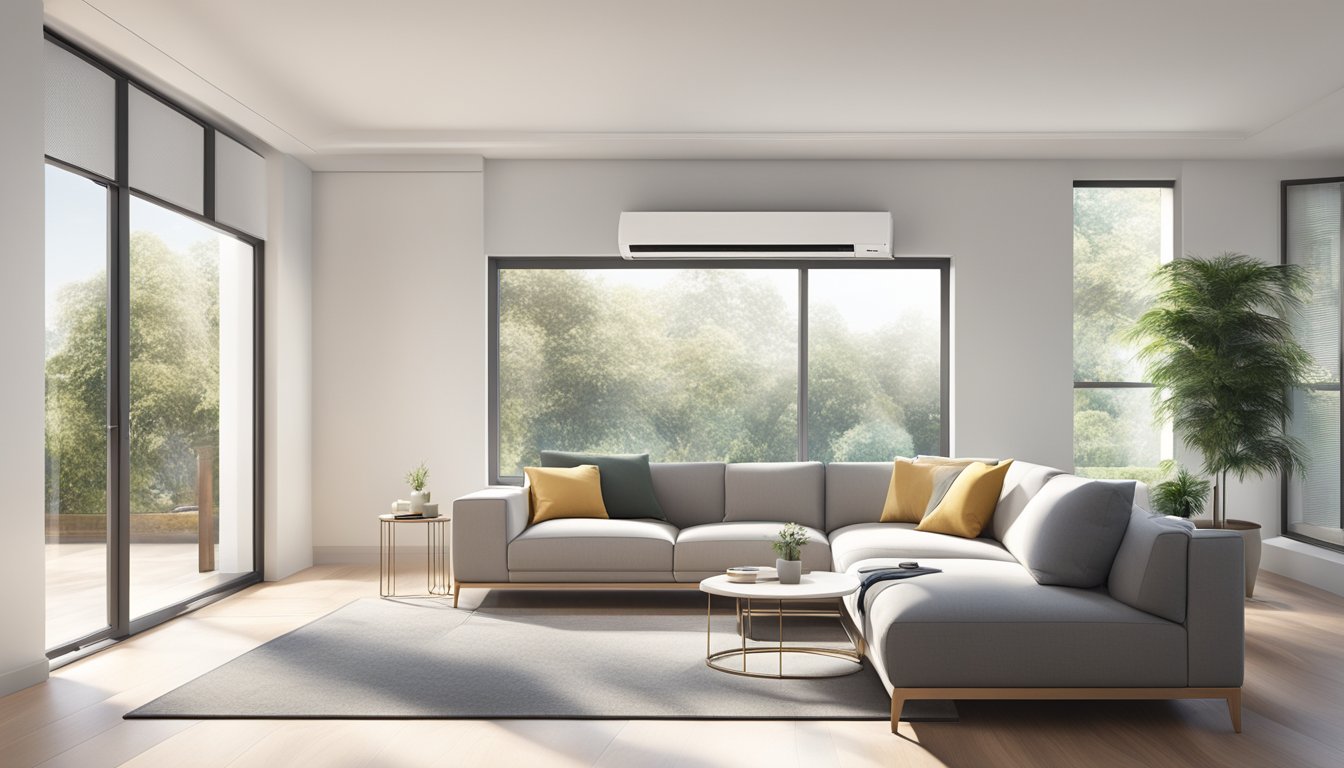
{"x":1294,"y":710}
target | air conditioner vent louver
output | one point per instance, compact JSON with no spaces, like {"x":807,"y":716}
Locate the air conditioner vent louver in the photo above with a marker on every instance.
{"x":755,"y":234}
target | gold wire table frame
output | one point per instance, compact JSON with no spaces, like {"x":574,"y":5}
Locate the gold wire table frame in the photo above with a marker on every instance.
{"x":436,"y":558}
{"x":744,"y":611}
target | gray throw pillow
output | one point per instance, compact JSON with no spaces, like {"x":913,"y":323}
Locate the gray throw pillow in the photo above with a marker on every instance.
{"x":1068,"y":534}
{"x":627,"y":483}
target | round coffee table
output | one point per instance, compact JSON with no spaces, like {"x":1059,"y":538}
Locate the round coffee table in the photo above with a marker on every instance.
{"x":815,"y":586}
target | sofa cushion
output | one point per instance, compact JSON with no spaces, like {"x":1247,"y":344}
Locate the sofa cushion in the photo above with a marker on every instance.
{"x":627,"y":487}
{"x":579,"y":544}
{"x":902,"y":542}
{"x":691,"y":493}
{"x":855,"y":491}
{"x":1150,"y":567}
{"x":1023,"y":481}
{"x":969,"y":503}
{"x":711,"y":549}
{"x":913,"y":488}
{"x":556,"y":492}
{"x":1068,"y":533}
{"x":783,"y":492}
{"x":988,"y":624}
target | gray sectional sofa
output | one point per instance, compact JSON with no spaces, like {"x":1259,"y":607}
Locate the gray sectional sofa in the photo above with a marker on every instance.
{"x":1167,"y":620}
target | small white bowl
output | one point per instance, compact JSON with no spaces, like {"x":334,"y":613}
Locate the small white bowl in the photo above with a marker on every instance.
{"x":743,"y":574}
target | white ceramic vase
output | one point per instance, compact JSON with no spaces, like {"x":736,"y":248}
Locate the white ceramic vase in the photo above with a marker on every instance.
{"x":790,"y":571}
{"x":418,"y":499}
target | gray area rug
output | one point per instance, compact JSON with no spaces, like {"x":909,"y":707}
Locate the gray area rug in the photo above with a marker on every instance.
{"x":589,"y":659}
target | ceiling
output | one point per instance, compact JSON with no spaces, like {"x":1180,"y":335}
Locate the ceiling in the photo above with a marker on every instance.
{"x":745,"y":78}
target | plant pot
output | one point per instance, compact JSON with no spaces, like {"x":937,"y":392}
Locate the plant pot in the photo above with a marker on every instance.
{"x":418,"y":499}
{"x":790,"y":571}
{"x":1250,"y":537}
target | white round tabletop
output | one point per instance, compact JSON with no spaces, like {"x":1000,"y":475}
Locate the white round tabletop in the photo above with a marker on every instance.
{"x":394,"y":519}
{"x":814,"y":586}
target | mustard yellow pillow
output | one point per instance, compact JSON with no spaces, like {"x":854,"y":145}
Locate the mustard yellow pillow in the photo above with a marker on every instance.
{"x":911,"y":489}
{"x":969,"y":504}
{"x":557,"y":492}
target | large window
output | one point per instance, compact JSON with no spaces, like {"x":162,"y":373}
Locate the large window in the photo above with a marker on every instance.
{"x":734,"y":362}
{"x":1122,"y":232}
{"x":1313,"y":217}
{"x":153,"y":251}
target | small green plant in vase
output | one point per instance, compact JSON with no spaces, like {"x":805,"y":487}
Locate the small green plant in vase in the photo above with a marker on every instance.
{"x":417,"y":478}
{"x":789,"y":547}
{"x":1182,"y":496}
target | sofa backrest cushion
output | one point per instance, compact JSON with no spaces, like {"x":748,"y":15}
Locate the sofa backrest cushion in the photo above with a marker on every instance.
{"x":627,"y":490}
{"x":1150,"y":568}
{"x":690,"y":494}
{"x":785,"y":492}
{"x":1068,"y":534}
{"x":1023,"y":481}
{"x":855,"y":492}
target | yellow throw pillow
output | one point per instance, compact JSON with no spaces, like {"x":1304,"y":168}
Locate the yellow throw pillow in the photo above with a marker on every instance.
{"x":969,"y":503}
{"x":915,"y":485}
{"x":558,"y":492}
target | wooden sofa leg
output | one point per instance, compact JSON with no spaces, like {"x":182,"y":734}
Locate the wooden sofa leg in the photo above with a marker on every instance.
{"x":1234,"y":708}
{"x":457,"y":591}
{"x":897,"y":707}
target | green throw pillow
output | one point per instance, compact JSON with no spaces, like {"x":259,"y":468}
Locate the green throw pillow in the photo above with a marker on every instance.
{"x":627,"y":484}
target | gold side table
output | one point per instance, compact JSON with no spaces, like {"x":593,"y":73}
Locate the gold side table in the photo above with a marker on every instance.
{"x":436,"y":560}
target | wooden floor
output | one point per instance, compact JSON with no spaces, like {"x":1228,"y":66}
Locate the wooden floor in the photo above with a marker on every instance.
{"x":1294,"y":710}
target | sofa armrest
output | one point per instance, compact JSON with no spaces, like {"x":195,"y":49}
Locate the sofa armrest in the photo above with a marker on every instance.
{"x":484,"y":523}
{"x":1215,"y":623}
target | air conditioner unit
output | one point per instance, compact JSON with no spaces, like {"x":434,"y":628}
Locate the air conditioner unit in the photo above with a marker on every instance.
{"x":754,"y":235}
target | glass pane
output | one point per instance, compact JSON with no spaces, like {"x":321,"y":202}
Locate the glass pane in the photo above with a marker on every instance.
{"x":80,"y":124}
{"x":76,"y":406}
{"x":874,"y":364}
{"x":192,"y":413}
{"x":1120,"y":235}
{"x":1313,"y":500}
{"x":166,"y":152}
{"x":1114,"y":436}
{"x":686,"y":364}
{"x":1313,"y":241}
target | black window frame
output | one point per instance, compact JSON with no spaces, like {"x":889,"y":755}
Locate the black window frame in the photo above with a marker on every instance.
{"x":1285,"y":482}
{"x":803,"y":266}
{"x":121,"y":624}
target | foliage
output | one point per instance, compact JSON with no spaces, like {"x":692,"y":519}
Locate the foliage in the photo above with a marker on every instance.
{"x":174,"y":395}
{"x":1219,"y":348}
{"x":790,"y":542}
{"x":702,"y":365}
{"x":1182,"y":496}
{"x":417,"y":477}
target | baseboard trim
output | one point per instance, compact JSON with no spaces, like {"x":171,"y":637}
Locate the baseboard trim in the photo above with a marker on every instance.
{"x":24,"y":677}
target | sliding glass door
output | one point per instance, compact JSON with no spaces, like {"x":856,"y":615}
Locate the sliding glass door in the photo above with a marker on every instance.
{"x":152,"y":320}
{"x":191,"y":409}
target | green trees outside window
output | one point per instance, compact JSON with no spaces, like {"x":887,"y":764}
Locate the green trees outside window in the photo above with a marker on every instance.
{"x":702,"y":364}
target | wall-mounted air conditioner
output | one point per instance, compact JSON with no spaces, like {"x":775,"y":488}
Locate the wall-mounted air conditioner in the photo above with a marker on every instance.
{"x":755,"y":234}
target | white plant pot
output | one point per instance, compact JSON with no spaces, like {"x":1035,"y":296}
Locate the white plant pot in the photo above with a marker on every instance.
{"x":418,"y":499}
{"x":790,"y":571}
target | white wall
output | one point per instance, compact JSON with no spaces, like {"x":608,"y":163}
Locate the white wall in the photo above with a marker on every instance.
{"x":22,"y":572}
{"x":399,"y":347}
{"x":288,"y":311}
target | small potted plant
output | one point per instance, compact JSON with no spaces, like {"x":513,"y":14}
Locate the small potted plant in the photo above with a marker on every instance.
{"x":419,"y":496}
{"x":789,"y":547}
{"x":1181,"y":496}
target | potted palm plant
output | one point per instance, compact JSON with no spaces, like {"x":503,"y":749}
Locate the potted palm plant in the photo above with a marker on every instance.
{"x":1182,"y":496}
{"x":1219,"y":351}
